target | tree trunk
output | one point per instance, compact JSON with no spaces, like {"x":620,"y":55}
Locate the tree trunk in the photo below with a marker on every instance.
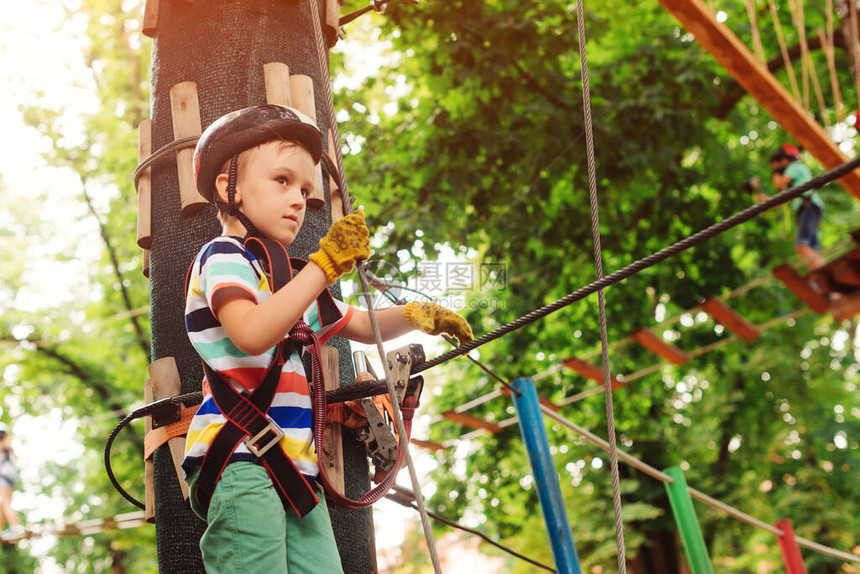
{"x":222,"y":46}
{"x":658,"y":556}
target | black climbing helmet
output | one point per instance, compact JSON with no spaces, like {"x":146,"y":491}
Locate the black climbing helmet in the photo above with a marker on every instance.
{"x":233,"y":133}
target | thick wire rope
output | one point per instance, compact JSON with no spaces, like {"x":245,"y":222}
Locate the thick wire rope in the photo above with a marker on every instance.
{"x":690,"y":241}
{"x":617,"y":276}
{"x":663,"y":477}
{"x":176,"y":145}
{"x":598,"y":264}
{"x":348,"y":202}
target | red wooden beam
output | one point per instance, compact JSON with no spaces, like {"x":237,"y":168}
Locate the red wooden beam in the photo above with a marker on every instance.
{"x":730,"y":319}
{"x":846,"y":306}
{"x":798,"y":285}
{"x":590,"y":371}
{"x":839,"y":274}
{"x":738,"y":61}
{"x":659,"y":347}
{"x":471,"y":422}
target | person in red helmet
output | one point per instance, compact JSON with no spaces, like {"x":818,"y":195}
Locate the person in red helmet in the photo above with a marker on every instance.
{"x":250,"y":462}
{"x":8,"y":480}
{"x":788,"y":171}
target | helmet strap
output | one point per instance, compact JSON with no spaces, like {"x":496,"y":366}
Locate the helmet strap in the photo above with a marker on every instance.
{"x":232,"y":210}
{"x":231,"y":186}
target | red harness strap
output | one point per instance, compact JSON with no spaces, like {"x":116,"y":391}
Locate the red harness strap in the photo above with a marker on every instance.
{"x":246,"y":414}
{"x":248,"y":423}
{"x":385,"y":482}
{"x":247,"y":417}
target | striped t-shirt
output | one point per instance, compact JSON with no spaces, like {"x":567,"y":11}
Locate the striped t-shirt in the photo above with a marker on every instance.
{"x":224,"y":262}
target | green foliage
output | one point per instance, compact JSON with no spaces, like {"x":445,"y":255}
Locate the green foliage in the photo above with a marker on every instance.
{"x":474,"y":135}
{"x":486,"y":150}
{"x":85,"y":357}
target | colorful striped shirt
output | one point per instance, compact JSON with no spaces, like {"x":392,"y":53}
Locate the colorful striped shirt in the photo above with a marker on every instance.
{"x":224,"y":262}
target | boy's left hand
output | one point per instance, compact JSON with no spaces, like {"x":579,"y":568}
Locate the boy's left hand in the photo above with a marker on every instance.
{"x":433,"y":319}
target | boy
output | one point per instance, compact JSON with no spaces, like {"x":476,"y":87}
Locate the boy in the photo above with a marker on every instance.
{"x":788,"y":171}
{"x":259,"y":166}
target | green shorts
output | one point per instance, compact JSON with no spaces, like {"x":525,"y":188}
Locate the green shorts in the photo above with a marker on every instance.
{"x":249,"y":531}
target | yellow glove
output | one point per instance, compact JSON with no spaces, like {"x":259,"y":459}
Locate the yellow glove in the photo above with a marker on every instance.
{"x":434,"y":319}
{"x":346,"y":242}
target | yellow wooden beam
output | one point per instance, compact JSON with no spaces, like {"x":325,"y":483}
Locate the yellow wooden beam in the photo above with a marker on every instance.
{"x":734,"y":56}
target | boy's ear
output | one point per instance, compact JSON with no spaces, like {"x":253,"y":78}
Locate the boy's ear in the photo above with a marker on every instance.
{"x":221,"y":188}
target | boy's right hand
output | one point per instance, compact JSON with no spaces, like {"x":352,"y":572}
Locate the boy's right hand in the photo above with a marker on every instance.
{"x":347,"y":241}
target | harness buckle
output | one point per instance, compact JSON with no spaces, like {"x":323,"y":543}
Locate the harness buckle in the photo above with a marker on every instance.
{"x":252,"y":441}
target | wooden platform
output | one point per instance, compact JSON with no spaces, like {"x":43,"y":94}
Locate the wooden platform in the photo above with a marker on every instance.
{"x":659,"y":347}
{"x":835,"y":287}
{"x":730,"y":319}
{"x":430,"y":445}
{"x":471,"y":422}
{"x":842,"y":275}
{"x":589,"y":371}
{"x":798,"y":285}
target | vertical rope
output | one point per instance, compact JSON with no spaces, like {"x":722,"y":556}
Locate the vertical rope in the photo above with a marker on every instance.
{"x":827,"y":42}
{"x":756,"y":35}
{"x":598,"y":263}
{"x":804,"y":65}
{"x":322,"y":52}
{"x":786,"y":59}
{"x":809,"y":73}
{"x":398,"y":421}
{"x":855,"y":43}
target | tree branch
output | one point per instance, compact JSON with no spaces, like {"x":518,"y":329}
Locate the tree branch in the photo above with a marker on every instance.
{"x":142,"y":339}
{"x":85,"y":374}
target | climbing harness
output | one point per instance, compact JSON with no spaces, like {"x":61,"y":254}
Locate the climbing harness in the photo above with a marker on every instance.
{"x":359,"y":407}
{"x":247,"y":415}
{"x":250,"y":423}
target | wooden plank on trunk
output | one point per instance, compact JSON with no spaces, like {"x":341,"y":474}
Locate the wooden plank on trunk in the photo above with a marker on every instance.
{"x":150,"y":17}
{"x":798,"y":285}
{"x":660,"y":347}
{"x":166,"y":383}
{"x":589,"y":371}
{"x":148,"y":470}
{"x":331,"y":453}
{"x":730,"y":319}
{"x":185,"y":109}
{"x":471,"y":422}
{"x":731,"y":53}
{"x":276,"y":76}
{"x":302,"y":92}
{"x":144,"y":186}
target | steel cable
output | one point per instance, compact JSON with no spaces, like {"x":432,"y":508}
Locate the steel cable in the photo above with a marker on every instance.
{"x":601,"y":305}
{"x":649,"y":261}
{"x":347,"y":208}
